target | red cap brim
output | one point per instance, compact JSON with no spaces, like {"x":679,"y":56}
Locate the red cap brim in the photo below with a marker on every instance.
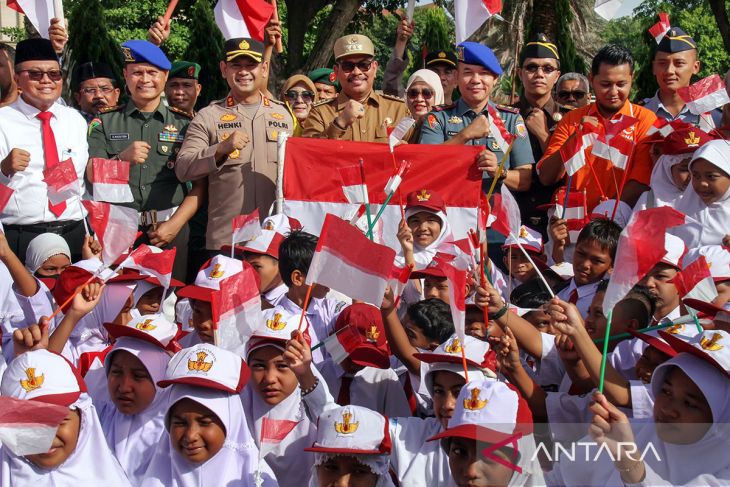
{"x":684,"y":347}
{"x":196,"y":292}
{"x":437,"y":358}
{"x":703,"y":306}
{"x":118,"y":331}
{"x":654,"y":342}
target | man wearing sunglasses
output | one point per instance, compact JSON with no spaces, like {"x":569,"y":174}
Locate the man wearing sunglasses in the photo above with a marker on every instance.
{"x":36,"y":134}
{"x":358,"y":113}
{"x":573,"y":90}
{"x":94,"y":87}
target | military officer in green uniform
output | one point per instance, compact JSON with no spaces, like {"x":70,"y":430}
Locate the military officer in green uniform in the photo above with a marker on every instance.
{"x":149,"y":135}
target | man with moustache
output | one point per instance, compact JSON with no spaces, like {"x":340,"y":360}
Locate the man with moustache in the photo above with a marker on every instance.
{"x":94,"y":87}
{"x":182,"y":88}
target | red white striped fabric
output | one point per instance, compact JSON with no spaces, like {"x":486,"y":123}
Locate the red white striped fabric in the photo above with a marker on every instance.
{"x":341,"y":344}
{"x":665,"y":127}
{"x":576,"y":212}
{"x":507,"y":213}
{"x":469,"y":15}
{"x":236,"y":309}
{"x":29,"y":427}
{"x":353,"y":184}
{"x":153,"y":261}
{"x":62,"y":181}
{"x":273,"y":432}
{"x":498,"y":131}
{"x":245,"y":227}
{"x":706,"y":95}
{"x":5,"y":193}
{"x":616,"y":142}
{"x":111,"y":180}
{"x":457,"y":291}
{"x":398,"y":279}
{"x":573,"y":154}
{"x":660,"y":29}
{"x":695,"y":281}
{"x":243,"y":18}
{"x":115,"y":228}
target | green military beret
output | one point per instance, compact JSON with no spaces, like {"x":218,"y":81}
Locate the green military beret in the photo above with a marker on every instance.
{"x":184,"y":69}
{"x":325,"y":76}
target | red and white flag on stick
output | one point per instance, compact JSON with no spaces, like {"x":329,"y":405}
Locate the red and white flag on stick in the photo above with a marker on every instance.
{"x":665,"y":127}
{"x":660,"y":29}
{"x":400,"y":131}
{"x":29,"y":427}
{"x":573,"y":154}
{"x":115,"y":228}
{"x":705,"y":95}
{"x":695,"y":281}
{"x":506,"y":212}
{"x":243,"y":18}
{"x":394,"y":182}
{"x":347,"y":261}
{"x":111,"y":180}
{"x":641,"y":246}
{"x":498,"y":131}
{"x":342,"y":343}
{"x":469,"y":15}
{"x":153,"y":261}
{"x":273,"y":432}
{"x":353,"y":184}
{"x":63,"y":182}
{"x":457,"y":290}
{"x":237,"y":308}
{"x":245,"y":227}
{"x":576,"y":211}
{"x":5,"y":193}
{"x":398,"y":279}
{"x":612,"y":144}
{"x":38,"y":12}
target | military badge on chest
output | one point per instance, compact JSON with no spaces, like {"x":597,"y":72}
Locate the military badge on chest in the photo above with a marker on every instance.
{"x":170,"y":133}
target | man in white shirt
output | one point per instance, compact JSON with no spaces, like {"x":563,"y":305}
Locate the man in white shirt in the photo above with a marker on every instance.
{"x":34,"y":122}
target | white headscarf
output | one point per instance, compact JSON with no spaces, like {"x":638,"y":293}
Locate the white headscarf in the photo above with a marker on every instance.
{"x":424,"y":255}
{"x":42,"y":248}
{"x":134,"y":438}
{"x":91,"y":463}
{"x":378,"y":464}
{"x":432,"y":80}
{"x":711,"y":222}
{"x":666,"y":193}
{"x":234,"y":465}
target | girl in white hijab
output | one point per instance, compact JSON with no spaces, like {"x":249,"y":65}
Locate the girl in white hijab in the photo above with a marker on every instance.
{"x":47,"y":255}
{"x":706,"y":200}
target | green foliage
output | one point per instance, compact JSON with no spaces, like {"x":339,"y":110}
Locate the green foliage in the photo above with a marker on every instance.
{"x":13,"y":34}
{"x":570,"y":61}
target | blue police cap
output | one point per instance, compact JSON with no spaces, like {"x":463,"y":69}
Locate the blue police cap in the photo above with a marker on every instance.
{"x":676,"y":40}
{"x":138,"y":51}
{"x":475,"y":53}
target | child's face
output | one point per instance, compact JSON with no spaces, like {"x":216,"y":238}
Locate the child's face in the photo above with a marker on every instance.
{"x":518,"y":265}
{"x":709,"y":181}
{"x":595,"y":321}
{"x":540,"y":320}
{"x":53,"y":266}
{"x":680,"y":174}
{"x":64,"y":444}
{"x":590,"y":262}
{"x":446,"y":388}
{"x":416,"y":337}
{"x":436,"y":287}
{"x":197,"y":433}
{"x":130,"y":385}
{"x":267,"y":268}
{"x":649,"y":360}
{"x":681,"y":413}
{"x":665,"y":292}
{"x":345,"y":470}
{"x":271,"y":377}
{"x":470,"y":467}
{"x":149,"y":303}
{"x":123,"y":317}
{"x":475,"y":325}
{"x":203,"y":320}
{"x":426,"y":228}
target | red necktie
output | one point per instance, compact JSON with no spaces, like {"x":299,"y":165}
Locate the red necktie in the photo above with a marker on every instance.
{"x":573,"y":297}
{"x":51,"y":154}
{"x":343,"y":398}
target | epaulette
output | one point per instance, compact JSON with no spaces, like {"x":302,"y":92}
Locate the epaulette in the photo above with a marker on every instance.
{"x":438,"y":108}
{"x":181,"y":112}
{"x":323,"y":102}
{"x":505,"y":108}
{"x":393,"y":97}
{"x":277,"y":102}
{"x":111,"y":109}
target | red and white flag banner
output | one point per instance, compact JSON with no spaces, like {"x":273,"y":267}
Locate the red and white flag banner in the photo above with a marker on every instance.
{"x":705,"y":95}
{"x":29,"y":427}
{"x":243,"y":18}
{"x":236,"y":309}
{"x":273,"y":432}
{"x":153,"y":261}
{"x":111,"y":180}
{"x":469,"y":15}
{"x":615,"y":142}
{"x":115,"y":228}
{"x":660,"y":29}
{"x":695,"y":281}
{"x":245,"y":227}
{"x":63,"y":181}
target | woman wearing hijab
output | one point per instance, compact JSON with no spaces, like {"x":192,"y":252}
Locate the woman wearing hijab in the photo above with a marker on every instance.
{"x":79,"y":455}
{"x":299,"y":93}
{"x":423,"y":92}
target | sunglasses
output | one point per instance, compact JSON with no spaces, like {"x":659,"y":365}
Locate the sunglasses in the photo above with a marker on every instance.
{"x":349,"y":66}
{"x":37,"y":74}
{"x":533,"y":68}
{"x":294,"y":95}
{"x":414,"y":92}
{"x":577,"y":95}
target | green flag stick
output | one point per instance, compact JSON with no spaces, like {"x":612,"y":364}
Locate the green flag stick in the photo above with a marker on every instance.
{"x":621,"y":336}
{"x":605,"y":352}
{"x":367,"y":200}
{"x":696,"y":320}
{"x":371,"y":226}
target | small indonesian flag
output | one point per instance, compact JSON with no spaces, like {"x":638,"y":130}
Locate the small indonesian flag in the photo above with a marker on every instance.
{"x":341,"y":344}
{"x":457,"y":291}
{"x":612,"y":144}
{"x":507,"y":213}
{"x":695,"y":281}
{"x":705,"y":95}
{"x":394,"y":182}
{"x":153,"y":261}
{"x":353,"y":184}
{"x":115,"y":228}
{"x":237,"y":308}
{"x":498,"y":131}
{"x":400,"y":131}
{"x":573,"y":154}
{"x":29,"y":427}
{"x":641,"y":246}
{"x":660,"y":29}
{"x":62,"y":181}
{"x":273,"y":432}
{"x":469,"y":15}
{"x":347,"y":261}
{"x":245,"y":227}
{"x":665,"y":127}
{"x":111,"y":180}
{"x":5,"y":193}
{"x":398,"y":279}
{"x":38,"y":12}
{"x":243,"y":18}
{"x":576,"y":211}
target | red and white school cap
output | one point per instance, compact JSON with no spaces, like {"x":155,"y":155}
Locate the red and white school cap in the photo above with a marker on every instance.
{"x":712,"y":346}
{"x":366,"y":320}
{"x":352,"y":429}
{"x":206,"y":365}
{"x":427,"y":199}
{"x":43,"y":376}
{"x":488,"y":411}
{"x":281,"y":223}
{"x":154,"y":329}
{"x":267,"y":243}
{"x":717,"y":257}
{"x":74,"y":276}
{"x":276,"y":329}
{"x":210,"y":276}
{"x":478,"y":353}
{"x":676,"y":250}
{"x":530,"y":239}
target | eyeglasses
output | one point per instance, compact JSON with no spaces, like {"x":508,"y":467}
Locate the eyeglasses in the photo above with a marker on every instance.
{"x":414,"y":92}
{"x":349,"y":66}
{"x":37,"y":75}
{"x":104,"y":90}
{"x":577,"y":95}
{"x":294,"y":95}
{"x":533,"y":68}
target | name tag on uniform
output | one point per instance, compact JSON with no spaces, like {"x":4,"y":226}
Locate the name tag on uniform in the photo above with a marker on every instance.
{"x":118,"y":136}
{"x":277,"y":124}
{"x":451,"y":133}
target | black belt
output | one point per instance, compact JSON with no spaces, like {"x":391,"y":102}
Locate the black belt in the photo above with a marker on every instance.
{"x":50,"y":227}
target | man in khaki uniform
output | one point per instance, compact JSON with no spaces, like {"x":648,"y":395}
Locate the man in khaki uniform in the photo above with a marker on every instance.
{"x":358,"y":113}
{"x":232,"y":142}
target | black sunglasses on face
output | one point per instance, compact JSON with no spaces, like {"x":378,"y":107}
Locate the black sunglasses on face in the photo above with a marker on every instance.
{"x":577,"y":95}
{"x":349,"y":66}
{"x":533,"y":68}
{"x":414,"y":92}
{"x":293,"y":95}
{"x":37,"y":75}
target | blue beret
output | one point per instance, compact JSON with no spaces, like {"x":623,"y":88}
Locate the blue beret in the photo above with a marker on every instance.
{"x":138,"y":51}
{"x":475,"y":53}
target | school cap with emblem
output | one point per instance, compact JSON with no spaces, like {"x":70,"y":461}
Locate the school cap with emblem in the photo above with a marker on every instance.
{"x":425,"y":198}
{"x":243,"y":46}
{"x":209,"y":278}
{"x":275,"y":329}
{"x":434,"y":58}
{"x":352,"y":429}
{"x":281,"y":223}
{"x":712,"y":346}
{"x":324,"y":75}
{"x":685,"y":141}
{"x":479,"y":54}
{"x":35,"y":49}
{"x":267,"y":243}
{"x":477,"y":353}
{"x":539,"y":48}
{"x":184,"y":69}
{"x":206,"y":365}
{"x":43,"y":376}
{"x":530,"y":239}
{"x":139,"y":51}
{"x":366,"y":320}
{"x":154,"y":329}
{"x":353,"y":45}
{"x":91,"y":70}
{"x":717,"y":257}
{"x":676,"y":40}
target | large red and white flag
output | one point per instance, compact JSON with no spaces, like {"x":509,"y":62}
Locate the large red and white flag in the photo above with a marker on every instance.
{"x":313,"y":187}
{"x":245,"y":227}
{"x":575,"y":211}
{"x":353,"y":184}
{"x":29,"y":427}
{"x":63,"y":182}
{"x":38,"y":12}
{"x":573,"y":153}
{"x":507,"y":213}
{"x":153,"y":261}
{"x":705,"y":95}
{"x":236,"y":309}
{"x":498,"y":131}
{"x":641,"y":246}
{"x":469,"y":15}
{"x":347,"y":261}
{"x":695,"y":281}
{"x":614,"y":9}
{"x":111,"y":180}
{"x":115,"y":228}
{"x":660,"y":29}
{"x":243,"y":18}
{"x":615,"y":142}
{"x":273,"y":432}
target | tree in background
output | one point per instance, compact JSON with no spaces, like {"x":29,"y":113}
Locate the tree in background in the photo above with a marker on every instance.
{"x":206,"y":50}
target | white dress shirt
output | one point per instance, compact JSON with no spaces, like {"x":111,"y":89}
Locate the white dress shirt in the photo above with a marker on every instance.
{"x":20,"y":129}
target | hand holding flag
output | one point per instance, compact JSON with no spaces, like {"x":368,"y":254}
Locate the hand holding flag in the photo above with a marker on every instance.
{"x":660,"y":29}
{"x":63,"y":182}
{"x":400,"y":131}
{"x":115,"y":228}
{"x":111,"y":180}
{"x":612,"y":145}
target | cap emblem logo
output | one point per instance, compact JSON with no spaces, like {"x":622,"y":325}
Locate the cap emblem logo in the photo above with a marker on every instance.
{"x":675,"y":329}
{"x":127,"y":53}
{"x":216,"y":272}
{"x":473,"y":403}
{"x":32,"y":382}
{"x":346,"y":427}
{"x":199,"y":364}
{"x":523,"y":232}
{"x":692,"y":140}
{"x":453,"y":347}
{"x":191,"y":71}
{"x":442,"y":55}
{"x":276,"y":324}
{"x":423,"y":195}
{"x":243,"y":45}
{"x":146,"y":325}
{"x":711,"y":344}
{"x":372,"y":334}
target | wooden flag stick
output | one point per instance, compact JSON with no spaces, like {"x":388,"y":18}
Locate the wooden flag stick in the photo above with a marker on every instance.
{"x":605,"y":352}
{"x":567,"y":194}
{"x":500,"y":169}
{"x":463,"y":362}
{"x":537,"y":269}
{"x":304,"y":307}
{"x":168,"y":13}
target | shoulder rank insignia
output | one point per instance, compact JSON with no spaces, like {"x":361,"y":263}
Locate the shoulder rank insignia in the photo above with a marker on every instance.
{"x":439,"y":108}
{"x":110,"y":109}
{"x":324,"y":102}
{"x":455,"y":119}
{"x":505,"y":108}
{"x":432,"y":120}
{"x":393,"y":97}
{"x":181,"y":112}
{"x":95,"y":122}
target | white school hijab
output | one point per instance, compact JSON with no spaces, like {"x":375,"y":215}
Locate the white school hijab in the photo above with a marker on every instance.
{"x":424,"y":255}
{"x":233,"y":466}
{"x":378,"y":464}
{"x":42,"y":248}
{"x":711,"y":222}
{"x":663,"y":189}
{"x":91,"y":463}
{"x":133,"y":438}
